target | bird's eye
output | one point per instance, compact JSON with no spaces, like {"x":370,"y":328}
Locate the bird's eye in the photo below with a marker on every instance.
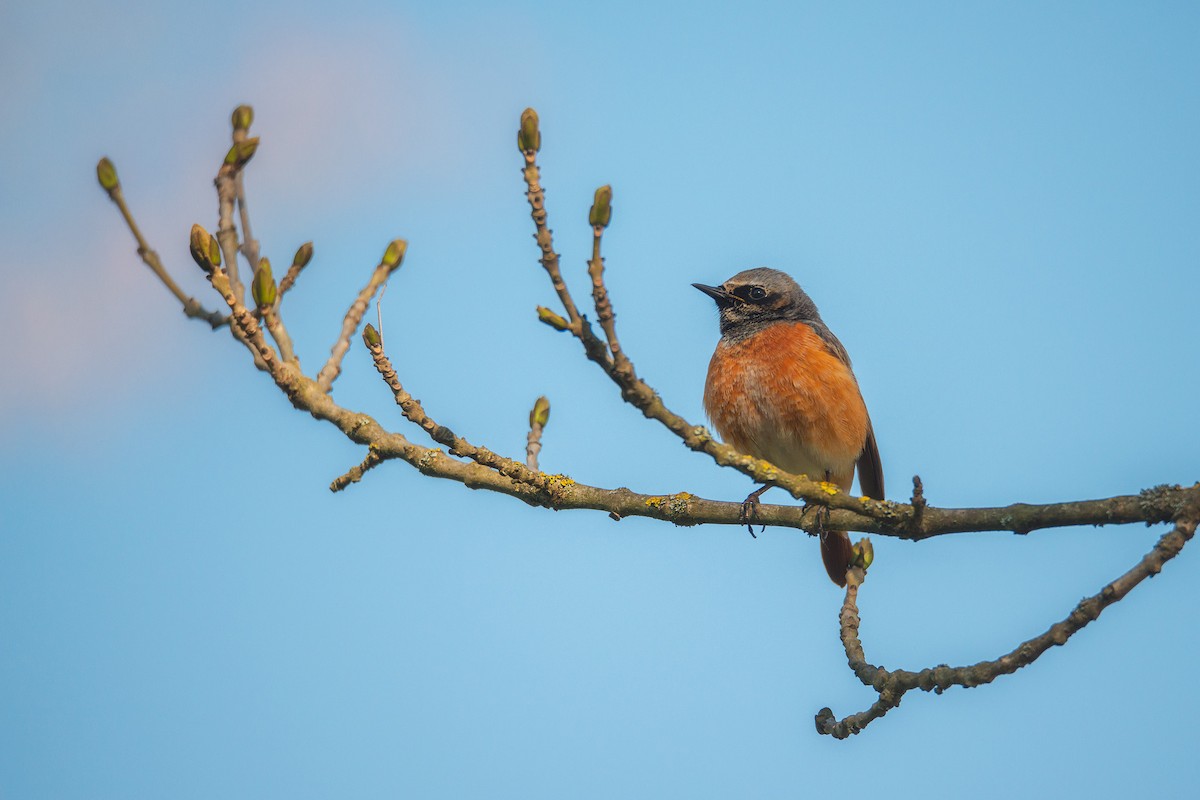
{"x":757,"y":293}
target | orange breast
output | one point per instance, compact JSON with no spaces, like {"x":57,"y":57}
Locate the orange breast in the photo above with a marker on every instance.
{"x":784,"y":396}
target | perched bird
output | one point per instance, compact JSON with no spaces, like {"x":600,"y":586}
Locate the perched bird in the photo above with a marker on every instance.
{"x":780,"y":388}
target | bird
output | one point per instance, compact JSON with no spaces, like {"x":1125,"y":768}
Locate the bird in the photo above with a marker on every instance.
{"x":780,"y":387}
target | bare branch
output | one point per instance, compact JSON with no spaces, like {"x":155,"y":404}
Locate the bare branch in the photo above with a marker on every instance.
{"x":529,"y":141}
{"x":458,"y":446}
{"x":355,"y":474}
{"x":392,"y":258}
{"x":299,"y":262}
{"x":191,"y":306}
{"x":599,"y":216}
{"x":241,"y":119}
{"x":226,"y":182}
{"x":892,"y":686}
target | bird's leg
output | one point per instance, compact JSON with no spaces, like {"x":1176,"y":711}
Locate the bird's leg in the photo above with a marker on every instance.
{"x":749,"y":506}
{"x":822,"y":515}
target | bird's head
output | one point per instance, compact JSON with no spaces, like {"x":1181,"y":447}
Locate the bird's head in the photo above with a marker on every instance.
{"x":756,"y":298}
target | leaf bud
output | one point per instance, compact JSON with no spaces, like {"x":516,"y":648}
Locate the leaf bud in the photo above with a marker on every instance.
{"x":106,"y":173}
{"x":370,"y":336}
{"x":262,"y":289}
{"x":863,"y":554}
{"x":529,"y":138}
{"x":242,"y":117}
{"x":553,"y":320}
{"x":200,"y":244}
{"x":394,"y":255}
{"x":601,"y":213}
{"x":242,"y":152}
{"x":540,"y":414}
{"x":303,"y":256}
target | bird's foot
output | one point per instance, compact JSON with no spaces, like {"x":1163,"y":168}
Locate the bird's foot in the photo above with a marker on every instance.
{"x":750,"y":509}
{"x":822,"y":518}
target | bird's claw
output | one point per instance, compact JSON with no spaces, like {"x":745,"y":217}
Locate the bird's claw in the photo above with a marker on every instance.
{"x":750,"y":510}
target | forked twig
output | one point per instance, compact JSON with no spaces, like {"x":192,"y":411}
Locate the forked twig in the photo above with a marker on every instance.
{"x":892,"y":685}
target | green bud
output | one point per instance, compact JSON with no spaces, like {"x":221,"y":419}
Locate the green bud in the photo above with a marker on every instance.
{"x":247,"y":149}
{"x":370,"y":336}
{"x":214,"y":252}
{"x":553,"y":320}
{"x":529,"y":138}
{"x":601,"y":212}
{"x":106,"y":173}
{"x":864,"y":554}
{"x":200,"y":244}
{"x":540,"y":414}
{"x":242,"y":152}
{"x":262,"y":289}
{"x":394,"y":255}
{"x":242,"y":117}
{"x":303,"y":256}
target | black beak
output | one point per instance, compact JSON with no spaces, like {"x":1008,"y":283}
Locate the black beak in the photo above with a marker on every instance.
{"x":716,"y":293}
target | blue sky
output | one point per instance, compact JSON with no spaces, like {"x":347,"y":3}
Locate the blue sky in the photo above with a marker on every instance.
{"x":994,"y":205}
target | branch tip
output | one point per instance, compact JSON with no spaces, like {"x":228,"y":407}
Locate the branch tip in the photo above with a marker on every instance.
{"x":553,"y":320}
{"x":299,"y":261}
{"x":303,"y":255}
{"x":529,"y":136}
{"x":242,"y":118}
{"x":106,"y":173}
{"x":393,"y":256}
{"x":600,"y":213}
{"x":540,"y":413}
{"x":205,"y":250}
{"x":371,"y":337}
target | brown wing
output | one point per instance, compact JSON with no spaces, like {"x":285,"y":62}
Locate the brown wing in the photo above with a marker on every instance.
{"x":870,"y":470}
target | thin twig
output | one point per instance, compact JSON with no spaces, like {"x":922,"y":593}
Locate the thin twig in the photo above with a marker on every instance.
{"x":533,"y":445}
{"x":415,"y":413}
{"x":249,"y":243}
{"x":333,"y":367}
{"x":274,"y":323}
{"x":303,"y":255}
{"x":227,"y":237}
{"x":379,"y":311}
{"x":544,"y":236}
{"x":604,"y":309}
{"x":191,"y":306}
{"x":892,"y":686}
{"x":356,"y":473}
{"x":247,"y":327}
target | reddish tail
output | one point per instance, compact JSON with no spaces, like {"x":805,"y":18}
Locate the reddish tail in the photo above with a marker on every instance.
{"x":837,"y":554}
